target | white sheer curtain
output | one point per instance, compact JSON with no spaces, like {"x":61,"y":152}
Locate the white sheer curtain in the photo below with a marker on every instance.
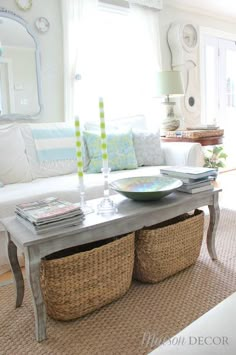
{"x":75,"y":14}
{"x":145,"y":43}
{"x":118,"y":53}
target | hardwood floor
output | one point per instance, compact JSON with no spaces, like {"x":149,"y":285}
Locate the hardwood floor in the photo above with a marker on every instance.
{"x":226,"y":181}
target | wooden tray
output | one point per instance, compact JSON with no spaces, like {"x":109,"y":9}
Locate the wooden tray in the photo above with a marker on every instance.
{"x":195,"y":134}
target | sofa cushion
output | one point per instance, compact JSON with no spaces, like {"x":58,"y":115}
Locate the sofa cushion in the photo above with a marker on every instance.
{"x":14,"y":166}
{"x":147,"y":148}
{"x":121,"y":154}
{"x":51,"y":167}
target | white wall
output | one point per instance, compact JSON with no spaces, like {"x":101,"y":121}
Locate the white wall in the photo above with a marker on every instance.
{"x":171,"y":14}
{"x":51,"y":48}
{"x":25,"y":81}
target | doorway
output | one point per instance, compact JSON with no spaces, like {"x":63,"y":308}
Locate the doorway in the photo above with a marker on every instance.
{"x":219,"y":89}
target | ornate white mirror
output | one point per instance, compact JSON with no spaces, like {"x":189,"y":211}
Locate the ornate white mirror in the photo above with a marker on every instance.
{"x":20,"y":84}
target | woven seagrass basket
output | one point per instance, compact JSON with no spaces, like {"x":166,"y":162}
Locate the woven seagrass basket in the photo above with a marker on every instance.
{"x":166,"y":248}
{"x":93,"y":276}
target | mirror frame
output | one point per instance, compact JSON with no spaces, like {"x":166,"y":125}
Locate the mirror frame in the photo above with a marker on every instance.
{"x":12,"y":116}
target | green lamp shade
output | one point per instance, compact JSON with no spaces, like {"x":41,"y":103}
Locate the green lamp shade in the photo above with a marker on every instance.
{"x":169,"y":83}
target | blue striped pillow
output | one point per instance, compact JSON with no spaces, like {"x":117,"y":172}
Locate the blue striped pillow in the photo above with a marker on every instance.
{"x":55,"y":143}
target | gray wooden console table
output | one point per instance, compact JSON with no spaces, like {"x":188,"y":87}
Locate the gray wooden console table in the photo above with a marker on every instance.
{"x":131,"y":216}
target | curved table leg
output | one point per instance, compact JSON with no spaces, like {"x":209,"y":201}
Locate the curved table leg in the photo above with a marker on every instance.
{"x":32,"y":264}
{"x":16,"y":270}
{"x":211,"y":233}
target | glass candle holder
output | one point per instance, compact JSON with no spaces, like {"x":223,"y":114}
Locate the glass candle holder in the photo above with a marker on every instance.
{"x":106,"y":205}
{"x":83,"y":204}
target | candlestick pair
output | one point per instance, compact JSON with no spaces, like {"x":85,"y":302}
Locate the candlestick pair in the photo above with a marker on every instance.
{"x":106,"y":205}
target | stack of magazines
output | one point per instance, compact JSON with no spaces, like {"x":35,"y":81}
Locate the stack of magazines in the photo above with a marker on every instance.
{"x":195,"y":179}
{"x":49,"y":215}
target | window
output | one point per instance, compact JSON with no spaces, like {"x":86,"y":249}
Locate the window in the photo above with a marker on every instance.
{"x":219,"y":77}
{"x":118,"y":61}
{"x":219,"y":88}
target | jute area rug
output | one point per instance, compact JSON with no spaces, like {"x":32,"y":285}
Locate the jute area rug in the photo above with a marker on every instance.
{"x":138,"y":322}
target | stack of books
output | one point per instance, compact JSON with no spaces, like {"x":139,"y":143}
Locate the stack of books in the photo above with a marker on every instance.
{"x":194,"y":179}
{"x":49,"y":215}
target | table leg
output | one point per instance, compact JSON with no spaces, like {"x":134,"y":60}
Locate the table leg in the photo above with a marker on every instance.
{"x":32,"y":264}
{"x":16,"y":270}
{"x":213,"y":224}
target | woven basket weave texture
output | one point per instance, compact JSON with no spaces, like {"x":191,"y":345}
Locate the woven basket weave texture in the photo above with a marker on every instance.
{"x":169,"y":247}
{"x":196,"y":134}
{"x":80,"y":283}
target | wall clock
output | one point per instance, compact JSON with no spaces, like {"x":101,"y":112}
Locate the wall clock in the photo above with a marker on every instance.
{"x":24,"y":4}
{"x":183,"y":40}
{"x":189,"y":37}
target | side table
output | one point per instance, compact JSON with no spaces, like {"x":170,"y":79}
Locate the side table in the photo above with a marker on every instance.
{"x":202,"y":140}
{"x":204,"y":137}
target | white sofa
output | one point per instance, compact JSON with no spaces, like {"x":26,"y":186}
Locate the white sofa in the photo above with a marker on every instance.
{"x":25,"y":178}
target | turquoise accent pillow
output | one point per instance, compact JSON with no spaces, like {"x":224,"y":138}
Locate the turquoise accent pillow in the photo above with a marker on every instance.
{"x":120,"y":148}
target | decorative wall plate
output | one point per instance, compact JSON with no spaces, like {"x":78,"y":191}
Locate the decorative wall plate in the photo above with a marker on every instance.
{"x":24,"y":4}
{"x":42,"y":24}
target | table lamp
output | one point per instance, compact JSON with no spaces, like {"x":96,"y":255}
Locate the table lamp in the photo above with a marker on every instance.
{"x":169,"y":84}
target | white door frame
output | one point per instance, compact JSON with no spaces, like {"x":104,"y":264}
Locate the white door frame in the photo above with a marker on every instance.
{"x":207,"y":31}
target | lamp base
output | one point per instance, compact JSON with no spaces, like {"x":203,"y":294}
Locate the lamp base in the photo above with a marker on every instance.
{"x":170,"y":121}
{"x":170,"y":125}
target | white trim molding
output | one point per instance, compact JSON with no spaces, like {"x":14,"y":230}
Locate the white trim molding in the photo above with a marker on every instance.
{"x":206,"y":12}
{"x":154,"y":4}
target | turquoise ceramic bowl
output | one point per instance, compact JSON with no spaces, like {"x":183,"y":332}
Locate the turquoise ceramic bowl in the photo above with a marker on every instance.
{"x":146,"y":188}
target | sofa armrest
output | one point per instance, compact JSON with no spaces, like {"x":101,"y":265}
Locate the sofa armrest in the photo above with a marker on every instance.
{"x":183,"y":153}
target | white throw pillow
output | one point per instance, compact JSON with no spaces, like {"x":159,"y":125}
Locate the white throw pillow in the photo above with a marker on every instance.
{"x":148,"y":148}
{"x":14,"y":166}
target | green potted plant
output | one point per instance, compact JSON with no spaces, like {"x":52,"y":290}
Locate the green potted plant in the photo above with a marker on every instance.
{"x":215,"y":157}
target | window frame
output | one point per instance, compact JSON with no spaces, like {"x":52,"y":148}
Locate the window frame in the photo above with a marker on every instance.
{"x":220,"y":38}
